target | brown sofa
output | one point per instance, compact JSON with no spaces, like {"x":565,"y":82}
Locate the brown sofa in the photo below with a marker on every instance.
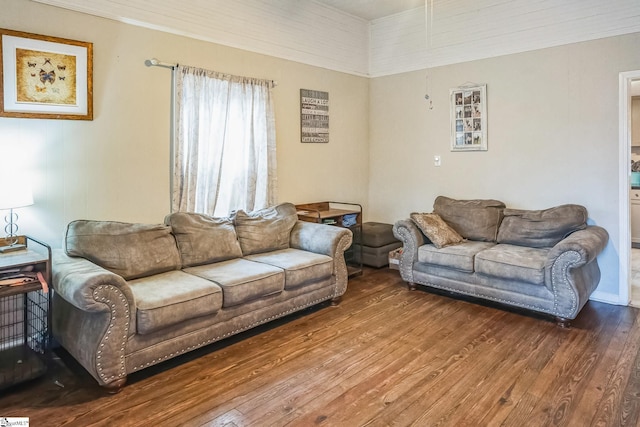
{"x":128,"y":296}
{"x":540,"y":260}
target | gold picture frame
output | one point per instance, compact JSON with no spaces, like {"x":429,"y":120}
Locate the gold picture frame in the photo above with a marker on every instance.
{"x":43,"y":77}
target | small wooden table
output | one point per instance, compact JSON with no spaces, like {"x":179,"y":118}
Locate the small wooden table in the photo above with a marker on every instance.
{"x":341,"y":214}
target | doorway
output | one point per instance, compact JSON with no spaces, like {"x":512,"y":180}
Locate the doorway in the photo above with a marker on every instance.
{"x":635,"y":278}
{"x":629,"y":273}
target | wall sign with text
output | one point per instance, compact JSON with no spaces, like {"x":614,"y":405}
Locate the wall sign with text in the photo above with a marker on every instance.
{"x":314,"y":116}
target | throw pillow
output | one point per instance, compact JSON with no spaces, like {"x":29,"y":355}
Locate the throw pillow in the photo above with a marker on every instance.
{"x":129,"y":250}
{"x":203,"y":239}
{"x":265,"y":230}
{"x":436,"y":229}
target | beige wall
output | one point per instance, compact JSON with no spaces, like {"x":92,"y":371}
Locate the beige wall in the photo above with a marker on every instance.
{"x":553,"y":136}
{"x":116,"y":167}
{"x":553,"y":131}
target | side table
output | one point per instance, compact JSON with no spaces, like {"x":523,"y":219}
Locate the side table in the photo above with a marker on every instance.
{"x":341,"y":214}
{"x":25,"y":310}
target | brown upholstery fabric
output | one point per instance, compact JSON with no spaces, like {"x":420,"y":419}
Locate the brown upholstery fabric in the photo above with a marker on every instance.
{"x":300,"y":267}
{"x":129,"y":250}
{"x":542,"y":228}
{"x":513,"y":263}
{"x":556,"y":281}
{"x":114,"y":327}
{"x":203,"y":239}
{"x":377,"y":234}
{"x":457,"y":257}
{"x":173,"y":297}
{"x":472,"y":219}
{"x":438,"y":231}
{"x":242,"y":280}
{"x":265,"y":230}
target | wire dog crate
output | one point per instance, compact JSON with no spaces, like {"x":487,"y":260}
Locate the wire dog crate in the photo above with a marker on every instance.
{"x":24,"y":337}
{"x":24,"y":317}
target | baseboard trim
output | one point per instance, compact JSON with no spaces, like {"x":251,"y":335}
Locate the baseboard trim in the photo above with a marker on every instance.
{"x":608,"y":298}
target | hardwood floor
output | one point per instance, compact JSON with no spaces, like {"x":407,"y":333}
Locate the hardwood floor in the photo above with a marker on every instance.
{"x":384,"y":356}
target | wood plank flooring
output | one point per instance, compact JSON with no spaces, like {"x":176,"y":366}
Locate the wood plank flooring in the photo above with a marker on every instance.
{"x":386,"y":356}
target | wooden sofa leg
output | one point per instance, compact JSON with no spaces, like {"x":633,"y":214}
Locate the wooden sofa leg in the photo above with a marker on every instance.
{"x":116,"y":386}
{"x":411,"y":286}
{"x":335,"y":301}
{"x":562,"y":322}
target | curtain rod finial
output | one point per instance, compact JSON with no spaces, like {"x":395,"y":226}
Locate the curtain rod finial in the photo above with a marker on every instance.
{"x":151,"y":62}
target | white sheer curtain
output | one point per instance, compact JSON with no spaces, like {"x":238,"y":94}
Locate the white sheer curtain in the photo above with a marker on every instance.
{"x":225,"y":147}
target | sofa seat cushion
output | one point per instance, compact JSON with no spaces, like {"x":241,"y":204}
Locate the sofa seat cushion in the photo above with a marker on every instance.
{"x":166,"y":299}
{"x":458,"y":257}
{"x":300,"y":267}
{"x":513,"y":262}
{"x":242,"y":280}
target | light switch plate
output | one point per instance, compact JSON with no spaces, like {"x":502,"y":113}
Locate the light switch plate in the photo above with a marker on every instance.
{"x":436,"y":160}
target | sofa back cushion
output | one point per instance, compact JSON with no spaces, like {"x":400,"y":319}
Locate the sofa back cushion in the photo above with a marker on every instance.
{"x":472,"y":219}
{"x":265,"y":230}
{"x":203,"y":239}
{"x":129,"y":250}
{"x":543,"y":228}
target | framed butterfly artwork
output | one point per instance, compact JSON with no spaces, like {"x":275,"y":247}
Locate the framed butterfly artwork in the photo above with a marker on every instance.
{"x":43,"y":77}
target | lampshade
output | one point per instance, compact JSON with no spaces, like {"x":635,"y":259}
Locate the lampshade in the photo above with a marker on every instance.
{"x":15,"y":193}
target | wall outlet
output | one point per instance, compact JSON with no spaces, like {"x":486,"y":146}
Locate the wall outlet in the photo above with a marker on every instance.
{"x":436,"y":160}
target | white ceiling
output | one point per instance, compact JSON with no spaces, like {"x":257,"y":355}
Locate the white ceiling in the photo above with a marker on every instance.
{"x":375,"y":37}
{"x":373,"y":9}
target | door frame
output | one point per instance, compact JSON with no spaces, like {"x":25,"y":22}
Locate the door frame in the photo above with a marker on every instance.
{"x":624,"y":134}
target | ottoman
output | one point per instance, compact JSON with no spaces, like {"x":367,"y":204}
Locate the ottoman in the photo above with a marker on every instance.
{"x":377,"y":241}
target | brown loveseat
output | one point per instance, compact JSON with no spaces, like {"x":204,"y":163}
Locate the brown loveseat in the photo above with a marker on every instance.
{"x":539,"y":260}
{"x":128,"y":296}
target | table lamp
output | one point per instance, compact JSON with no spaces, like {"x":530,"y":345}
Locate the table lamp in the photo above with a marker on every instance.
{"x":13,"y":194}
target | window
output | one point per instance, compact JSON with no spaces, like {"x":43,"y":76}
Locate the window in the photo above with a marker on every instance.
{"x":224,"y":152}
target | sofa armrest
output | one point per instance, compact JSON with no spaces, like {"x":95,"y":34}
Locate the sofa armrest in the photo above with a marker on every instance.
{"x":93,"y":316}
{"x":412,"y":238}
{"x":571,"y":269}
{"x":587,"y":243}
{"x":326,"y":240}
{"x":77,"y":281}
